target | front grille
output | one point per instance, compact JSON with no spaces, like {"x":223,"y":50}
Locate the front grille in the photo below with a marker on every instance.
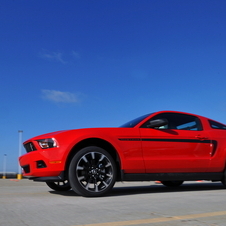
{"x":26,"y":168}
{"x":29,"y":147}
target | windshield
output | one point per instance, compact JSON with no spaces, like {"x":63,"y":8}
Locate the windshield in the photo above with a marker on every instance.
{"x":135,"y":121}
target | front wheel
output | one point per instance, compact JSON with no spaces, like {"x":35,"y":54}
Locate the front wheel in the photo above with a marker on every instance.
{"x":172,"y":183}
{"x":92,"y":172}
{"x":59,"y":186}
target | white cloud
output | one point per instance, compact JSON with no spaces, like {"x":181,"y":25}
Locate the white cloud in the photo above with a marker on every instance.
{"x":76,"y":55}
{"x":59,"y":96}
{"x":58,"y":56}
{"x":53,"y":56}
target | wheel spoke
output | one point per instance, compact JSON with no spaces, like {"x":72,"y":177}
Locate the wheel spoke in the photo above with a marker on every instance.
{"x":87,"y":186}
{"x":101,"y":158}
{"x":81,"y":178}
{"x":109,"y":175}
{"x":96,"y":188}
{"x":84,"y":158}
{"x":80,"y":167}
{"x":108,"y":164}
{"x":93,"y":155}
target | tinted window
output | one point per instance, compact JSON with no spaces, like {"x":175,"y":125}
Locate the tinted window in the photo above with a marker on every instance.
{"x":134,"y":122}
{"x":216,"y":125}
{"x":178,"y":121}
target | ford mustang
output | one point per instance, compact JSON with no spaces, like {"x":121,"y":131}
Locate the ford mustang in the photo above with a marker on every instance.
{"x":168,"y":146}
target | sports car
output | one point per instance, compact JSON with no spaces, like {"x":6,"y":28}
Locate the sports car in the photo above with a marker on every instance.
{"x":168,"y":146}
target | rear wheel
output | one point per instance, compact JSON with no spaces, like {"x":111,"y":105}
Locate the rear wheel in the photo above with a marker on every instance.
{"x":223,"y":181}
{"x":59,"y":186}
{"x":92,"y":172}
{"x":172,"y":183}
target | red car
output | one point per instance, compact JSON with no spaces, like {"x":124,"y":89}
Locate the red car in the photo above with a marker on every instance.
{"x":168,"y":146}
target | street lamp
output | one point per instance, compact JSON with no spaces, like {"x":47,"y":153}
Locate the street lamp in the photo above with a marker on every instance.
{"x":4,"y":166}
{"x":19,"y":175}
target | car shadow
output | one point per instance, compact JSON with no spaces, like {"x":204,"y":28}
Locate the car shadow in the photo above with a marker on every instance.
{"x":159,"y":188}
{"x":152,"y":189}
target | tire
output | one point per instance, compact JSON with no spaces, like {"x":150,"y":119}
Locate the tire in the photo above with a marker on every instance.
{"x":172,"y":183}
{"x":59,"y":186}
{"x":223,"y":181}
{"x":92,"y":172}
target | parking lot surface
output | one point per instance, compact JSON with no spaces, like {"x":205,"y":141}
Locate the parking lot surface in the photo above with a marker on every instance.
{"x":28,"y":203}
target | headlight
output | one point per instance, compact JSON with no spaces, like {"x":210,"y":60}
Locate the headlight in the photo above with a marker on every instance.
{"x":47,"y":143}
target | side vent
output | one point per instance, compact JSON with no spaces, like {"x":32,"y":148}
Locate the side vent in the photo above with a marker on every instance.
{"x":41,"y":164}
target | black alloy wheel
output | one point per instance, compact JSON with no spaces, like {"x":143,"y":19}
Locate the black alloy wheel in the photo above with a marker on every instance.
{"x":59,"y":186}
{"x":172,"y":183}
{"x":92,"y":172}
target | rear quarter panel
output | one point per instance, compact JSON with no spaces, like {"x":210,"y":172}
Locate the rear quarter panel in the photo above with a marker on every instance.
{"x":218,"y":151}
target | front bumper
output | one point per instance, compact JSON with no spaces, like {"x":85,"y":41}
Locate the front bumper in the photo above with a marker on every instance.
{"x":59,"y":178}
{"x":42,"y":163}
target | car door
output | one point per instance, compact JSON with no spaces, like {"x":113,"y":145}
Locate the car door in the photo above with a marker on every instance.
{"x":180,"y":146}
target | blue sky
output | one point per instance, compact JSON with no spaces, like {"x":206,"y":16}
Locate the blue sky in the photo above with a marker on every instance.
{"x":97,"y":63}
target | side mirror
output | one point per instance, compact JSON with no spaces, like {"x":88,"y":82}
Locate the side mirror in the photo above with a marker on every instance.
{"x":157,"y":123}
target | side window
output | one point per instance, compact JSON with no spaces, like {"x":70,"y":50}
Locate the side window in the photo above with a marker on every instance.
{"x":216,"y":125}
{"x":178,"y":121}
{"x":192,"y":125}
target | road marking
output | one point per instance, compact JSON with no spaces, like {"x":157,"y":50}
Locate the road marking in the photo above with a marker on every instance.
{"x":158,"y":220}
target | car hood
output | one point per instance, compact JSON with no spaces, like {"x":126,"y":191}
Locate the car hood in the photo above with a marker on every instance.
{"x":74,"y":131}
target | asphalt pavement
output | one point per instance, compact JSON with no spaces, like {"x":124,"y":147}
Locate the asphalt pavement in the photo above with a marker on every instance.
{"x":28,"y":203}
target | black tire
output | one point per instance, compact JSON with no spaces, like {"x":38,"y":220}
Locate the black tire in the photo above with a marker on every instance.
{"x":59,"y":186}
{"x":92,"y":172}
{"x":172,"y":183}
{"x":223,"y":181}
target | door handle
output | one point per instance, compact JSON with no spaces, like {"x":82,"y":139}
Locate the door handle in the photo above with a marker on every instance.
{"x":201,"y":137}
